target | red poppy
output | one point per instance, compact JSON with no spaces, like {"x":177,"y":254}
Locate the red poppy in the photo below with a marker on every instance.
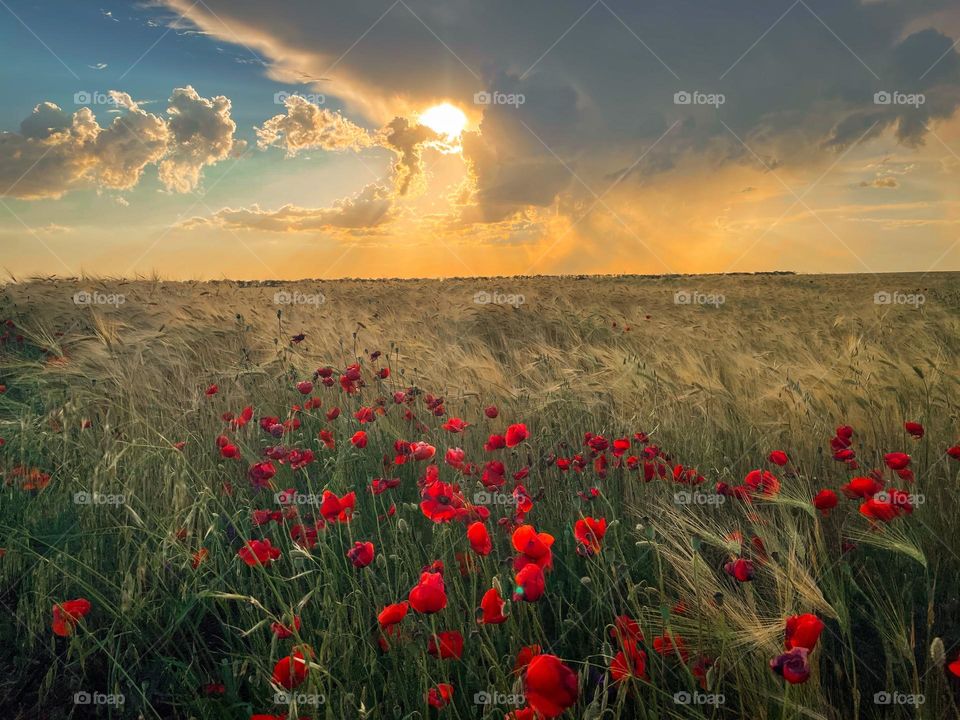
{"x":882,"y":510}
{"x":954,"y":667}
{"x":445,"y":645}
{"x":441,"y":502}
{"x":422,"y":451}
{"x":440,"y":695}
{"x":625,"y":628}
{"x":762,"y":482}
{"x":333,"y":413}
{"x":454,"y":458}
{"x":629,"y":662}
{"x":524,"y":656}
{"x":862,"y":487}
{"x":802,"y":631}
{"x":305,"y":387}
{"x":516,"y":434}
{"x":429,"y":595}
{"x":530,"y":583}
{"x":392,"y":614}
{"x":491,"y":411}
{"x":258,"y":552}
{"x":954,"y":452}
{"x":778,"y":457}
{"x":825,"y":501}
{"x":335,"y":508}
{"x":198,"y":557}
{"x":285,"y":631}
{"x":495,"y":442}
{"x":359,"y":439}
{"x":741,"y":569}
{"x":479,"y":538}
{"x":229,"y":451}
{"x":212,"y":390}
{"x":361,"y":554}
{"x":534,"y":547}
{"x":668,"y":644}
{"x":589,"y":532}
{"x":896,"y":460}
{"x":914,"y":429}
{"x":455,"y":425}
{"x":551,"y":687}
{"x":290,"y":671}
{"x":491,"y":605}
{"x":793,"y":666}
{"x":67,"y":614}
{"x":326,"y":437}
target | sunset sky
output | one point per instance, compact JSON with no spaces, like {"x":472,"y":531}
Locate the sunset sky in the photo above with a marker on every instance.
{"x":287,"y":139}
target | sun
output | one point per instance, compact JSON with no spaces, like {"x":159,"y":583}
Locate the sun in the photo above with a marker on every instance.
{"x":444,"y":119}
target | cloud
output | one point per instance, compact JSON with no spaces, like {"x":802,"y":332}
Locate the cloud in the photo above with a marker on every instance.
{"x":371,"y":207}
{"x":406,"y":139}
{"x":201,"y":133}
{"x":306,"y":126}
{"x":56,"y":152}
{"x":885,"y":182}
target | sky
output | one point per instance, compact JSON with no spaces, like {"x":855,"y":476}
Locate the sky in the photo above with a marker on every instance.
{"x":204,"y":139}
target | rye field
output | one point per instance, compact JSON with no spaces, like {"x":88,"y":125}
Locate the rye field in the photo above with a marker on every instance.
{"x":575,"y":497}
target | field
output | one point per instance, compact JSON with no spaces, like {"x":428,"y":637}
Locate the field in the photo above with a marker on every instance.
{"x":630,"y":416}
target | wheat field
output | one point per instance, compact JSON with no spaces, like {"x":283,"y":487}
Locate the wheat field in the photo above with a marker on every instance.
{"x":106,"y":395}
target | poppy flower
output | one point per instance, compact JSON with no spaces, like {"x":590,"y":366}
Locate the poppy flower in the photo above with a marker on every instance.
{"x":530,"y":584}
{"x":550,"y":686}
{"x":896,"y":460}
{"x":792,"y":666}
{"x":914,"y":429}
{"x":304,"y":536}
{"x":625,"y":628}
{"x":491,"y":605}
{"x":359,"y":439}
{"x":229,"y":451}
{"x":286,"y":631}
{"x":290,"y":671}
{"x":629,"y":662}
{"x":954,"y":667}
{"x":862,"y":487}
{"x":361,"y":554}
{"x":668,"y":644}
{"x":393,"y":614}
{"x":67,"y":614}
{"x":882,"y":510}
{"x":455,"y":425}
{"x":521,"y":714}
{"x":954,"y":452}
{"x":516,"y":434}
{"x":741,"y":569}
{"x":326,"y":437}
{"x":762,"y":482}
{"x":524,"y":656}
{"x":305,"y":387}
{"x":778,"y":457}
{"x":495,"y":442}
{"x":802,"y":631}
{"x":589,"y":532}
{"x":454,"y":458}
{"x":445,"y":645}
{"x":335,"y":508}
{"x":534,"y":547}
{"x":441,"y":503}
{"x":212,"y":390}
{"x":422,"y":451}
{"x":440,"y":695}
{"x":825,"y":501}
{"x":491,"y":411}
{"x":198,"y":557}
{"x":260,"y":474}
{"x":258,"y":552}
{"x":429,"y":595}
{"x":333,"y":413}
{"x":479,"y":538}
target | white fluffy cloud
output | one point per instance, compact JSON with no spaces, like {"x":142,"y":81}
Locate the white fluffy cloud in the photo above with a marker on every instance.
{"x":56,"y":152}
{"x":306,"y":126}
